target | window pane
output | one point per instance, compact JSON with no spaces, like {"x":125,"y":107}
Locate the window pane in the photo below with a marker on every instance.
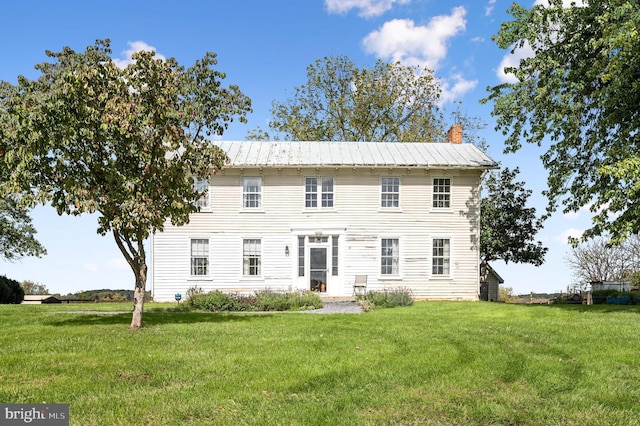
{"x":390,"y":256}
{"x":202,"y":185}
{"x":301,"y":256}
{"x":318,"y":188}
{"x":327,"y":192}
{"x":441,"y":193}
{"x":251,"y":257}
{"x":199,"y":256}
{"x":441,"y":256}
{"x":334,"y":255}
{"x":390,"y":192}
{"x":311,"y":192}
{"x":252,"y":192}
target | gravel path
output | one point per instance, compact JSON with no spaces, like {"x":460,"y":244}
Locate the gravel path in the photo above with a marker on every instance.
{"x":337,"y":307}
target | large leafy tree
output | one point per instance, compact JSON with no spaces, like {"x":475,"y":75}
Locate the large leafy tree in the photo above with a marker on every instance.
{"x":342,"y":102}
{"x":127,"y":143}
{"x":508,"y":227}
{"x":578,"y":94}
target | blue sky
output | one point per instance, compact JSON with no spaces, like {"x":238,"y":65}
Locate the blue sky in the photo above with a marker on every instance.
{"x":264,"y":47}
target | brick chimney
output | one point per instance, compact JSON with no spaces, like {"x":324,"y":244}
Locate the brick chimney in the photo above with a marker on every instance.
{"x":454,"y":135}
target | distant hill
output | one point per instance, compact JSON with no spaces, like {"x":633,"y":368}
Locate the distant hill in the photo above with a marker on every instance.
{"x":104,"y":295}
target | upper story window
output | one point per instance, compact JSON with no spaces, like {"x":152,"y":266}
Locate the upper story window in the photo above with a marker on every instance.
{"x":441,"y":259}
{"x":318,"y":191}
{"x":442,"y":193}
{"x":252,"y":192}
{"x":202,"y":185}
{"x":390,"y":192}
{"x":199,"y":256}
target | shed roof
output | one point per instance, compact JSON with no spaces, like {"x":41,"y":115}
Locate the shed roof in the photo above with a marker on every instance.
{"x":355,"y":154}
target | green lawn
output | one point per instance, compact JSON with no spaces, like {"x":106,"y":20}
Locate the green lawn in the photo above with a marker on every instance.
{"x":432,"y":363}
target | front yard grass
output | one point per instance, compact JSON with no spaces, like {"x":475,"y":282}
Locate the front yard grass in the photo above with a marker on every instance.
{"x":440,"y":363}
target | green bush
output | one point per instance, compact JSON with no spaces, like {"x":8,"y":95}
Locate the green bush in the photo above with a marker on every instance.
{"x":10,"y":291}
{"x":264,"y":300}
{"x":389,"y":298}
{"x":215,"y":301}
{"x":601,"y":296}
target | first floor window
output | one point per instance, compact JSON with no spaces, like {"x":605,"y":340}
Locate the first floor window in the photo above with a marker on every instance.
{"x":199,"y":256}
{"x":251,"y":254}
{"x":202,"y":186}
{"x":441,"y":256}
{"x":390,"y":192}
{"x":252,"y":192}
{"x":390,"y":256}
{"x":301,"y":256}
{"x":334,"y":255}
{"x":442,"y":193}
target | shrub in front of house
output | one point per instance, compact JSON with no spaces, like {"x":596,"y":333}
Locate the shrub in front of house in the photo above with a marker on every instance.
{"x":264,"y":300}
{"x":389,"y":297}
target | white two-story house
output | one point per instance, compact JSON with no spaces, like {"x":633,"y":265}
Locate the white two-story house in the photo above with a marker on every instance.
{"x":313,"y":215}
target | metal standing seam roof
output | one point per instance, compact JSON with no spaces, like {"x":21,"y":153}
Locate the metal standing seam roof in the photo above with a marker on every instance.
{"x":354,"y":154}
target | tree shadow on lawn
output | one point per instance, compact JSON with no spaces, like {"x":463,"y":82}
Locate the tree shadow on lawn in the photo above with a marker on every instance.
{"x":148,"y":319}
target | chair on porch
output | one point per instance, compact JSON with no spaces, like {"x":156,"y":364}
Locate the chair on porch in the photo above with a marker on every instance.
{"x":360,"y":285}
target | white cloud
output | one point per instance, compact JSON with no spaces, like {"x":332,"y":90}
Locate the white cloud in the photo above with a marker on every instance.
{"x":565,"y":3}
{"x":564,"y":236}
{"x":489,"y":8}
{"x":118,"y":263}
{"x":512,"y":60}
{"x":460,"y":87}
{"x":368,"y":8}
{"x":400,"y":40}
{"x":90,"y":266}
{"x":135,"y":46}
{"x":478,"y":39}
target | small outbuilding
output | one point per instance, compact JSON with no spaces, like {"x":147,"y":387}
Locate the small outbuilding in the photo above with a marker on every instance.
{"x":490,"y":282}
{"x":39,"y":299}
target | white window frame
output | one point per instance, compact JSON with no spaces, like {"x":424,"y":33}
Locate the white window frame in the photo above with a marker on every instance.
{"x":202,"y":185}
{"x":435,"y":202}
{"x":318,"y":196}
{"x":248,"y":255}
{"x":394,"y":274}
{"x":384,"y":193}
{"x":446,"y":257}
{"x":202,"y":253}
{"x":249,"y":196}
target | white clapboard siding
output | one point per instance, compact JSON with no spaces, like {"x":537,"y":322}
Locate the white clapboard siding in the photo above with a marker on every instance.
{"x":356,"y":220}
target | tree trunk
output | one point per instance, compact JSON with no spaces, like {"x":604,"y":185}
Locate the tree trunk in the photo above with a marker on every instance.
{"x":138,"y":295}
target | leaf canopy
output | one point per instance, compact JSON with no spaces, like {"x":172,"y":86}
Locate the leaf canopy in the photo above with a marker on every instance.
{"x":341,"y":102}
{"x":579,"y":93}
{"x":89,"y":136}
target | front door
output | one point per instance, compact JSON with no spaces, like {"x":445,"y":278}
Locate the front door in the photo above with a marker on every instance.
{"x":318,"y":269}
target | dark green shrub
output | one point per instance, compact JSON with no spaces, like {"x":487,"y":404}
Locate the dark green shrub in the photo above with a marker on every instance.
{"x":601,"y":296}
{"x":306,"y":299}
{"x":215,"y":301}
{"x":390,"y":298}
{"x":10,"y":291}
{"x":269,"y":300}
